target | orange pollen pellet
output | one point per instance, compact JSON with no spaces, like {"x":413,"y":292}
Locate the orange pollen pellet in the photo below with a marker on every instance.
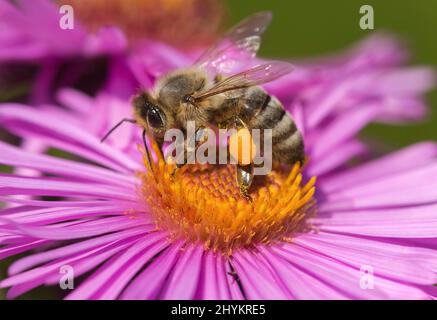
{"x":241,"y":146}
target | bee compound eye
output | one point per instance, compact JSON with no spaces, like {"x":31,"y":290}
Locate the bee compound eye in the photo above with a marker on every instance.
{"x":154,"y":118}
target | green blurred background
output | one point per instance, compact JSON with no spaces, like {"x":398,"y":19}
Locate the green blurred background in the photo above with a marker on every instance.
{"x":311,"y":28}
{"x":305,"y":29}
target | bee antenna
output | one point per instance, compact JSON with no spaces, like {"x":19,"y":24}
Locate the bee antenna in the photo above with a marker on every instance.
{"x":115,"y":127}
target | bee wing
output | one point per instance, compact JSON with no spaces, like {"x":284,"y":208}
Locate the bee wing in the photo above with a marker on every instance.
{"x":254,"y":76}
{"x":237,"y":46}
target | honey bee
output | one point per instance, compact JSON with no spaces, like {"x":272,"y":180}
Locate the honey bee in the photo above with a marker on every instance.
{"x":209,"y":93}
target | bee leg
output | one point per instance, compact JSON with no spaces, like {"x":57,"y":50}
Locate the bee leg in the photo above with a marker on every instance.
{"x":159,"y":145}
{"x":244,"y":179}
{"x":175,"y":169}
{"x":179,"y":163}
{"x":149,"y":157}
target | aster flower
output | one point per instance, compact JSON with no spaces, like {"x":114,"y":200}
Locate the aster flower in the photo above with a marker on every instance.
{"x":90,"y":55}
{"x":130,"y":236}
{"x":31,"y":36}
{"x":160,"y":20}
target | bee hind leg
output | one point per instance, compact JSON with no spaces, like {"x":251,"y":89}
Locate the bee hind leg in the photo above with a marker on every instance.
{"x":244,"y":179}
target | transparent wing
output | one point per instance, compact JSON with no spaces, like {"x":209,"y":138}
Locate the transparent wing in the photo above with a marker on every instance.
{"x":237,"y":46}
{"x":255,"y":76}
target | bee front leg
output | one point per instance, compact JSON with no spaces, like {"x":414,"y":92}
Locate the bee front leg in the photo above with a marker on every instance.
{"x":244,"y":179}
{"x":179,"y":163}
{"x":160,"y":143}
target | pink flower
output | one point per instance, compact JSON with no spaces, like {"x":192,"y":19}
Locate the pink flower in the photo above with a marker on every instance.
{"x":103,"y":38}
{"x":377,"y":216}
{"x":31,"y":31}
{"x":31,"y":36}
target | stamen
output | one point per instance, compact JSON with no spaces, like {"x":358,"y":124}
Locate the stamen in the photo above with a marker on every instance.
{"x":203,"y":204}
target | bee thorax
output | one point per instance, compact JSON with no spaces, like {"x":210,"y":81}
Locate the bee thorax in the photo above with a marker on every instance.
{"x":176,"y":88}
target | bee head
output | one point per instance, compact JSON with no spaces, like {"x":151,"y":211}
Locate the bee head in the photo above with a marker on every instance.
{"x":150,"y":115}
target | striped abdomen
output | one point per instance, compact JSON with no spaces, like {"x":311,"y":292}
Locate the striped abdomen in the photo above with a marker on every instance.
{"x":263,"y":111}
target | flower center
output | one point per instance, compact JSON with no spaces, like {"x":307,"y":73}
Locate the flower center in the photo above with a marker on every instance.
{"x":202,"y":204}
{"x":164,"y":20}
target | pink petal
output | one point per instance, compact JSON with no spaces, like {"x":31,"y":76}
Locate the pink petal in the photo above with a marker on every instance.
{"x":399,"y":263}
{"x":406,"y":159}
{"x":54,"y":127}
{"x":300,"y":284}
{"x":71,"y":249}
{"x":347,"y":279}
{"x":150,"y":282}
{"x":110,"y":279}
{"x":183,"y":282}
{"x":257,"y":278}
{"x":12,"y":184}
{"x":340,"y":157}
{"x":214,"y":278}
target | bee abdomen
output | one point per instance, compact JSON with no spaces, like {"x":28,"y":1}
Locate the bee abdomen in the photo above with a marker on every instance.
{"x":290,"y":150}
{"x":287,"y":142}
